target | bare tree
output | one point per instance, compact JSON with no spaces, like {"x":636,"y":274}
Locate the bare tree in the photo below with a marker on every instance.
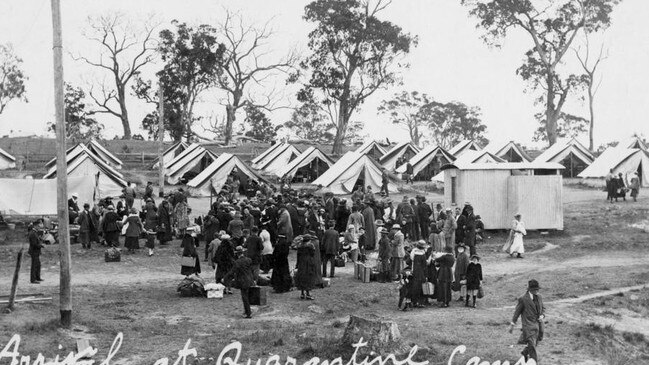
{"x":592,"y":81}
{"x":123,"y":51}
{"x":246,"y":64}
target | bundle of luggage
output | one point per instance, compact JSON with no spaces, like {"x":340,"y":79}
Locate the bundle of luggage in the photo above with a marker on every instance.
{"x":112,"y":254}
{"x":192,"y":286}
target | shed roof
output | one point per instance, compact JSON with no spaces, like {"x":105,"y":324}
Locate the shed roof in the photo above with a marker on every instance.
{"x":504,"y":166}
{"x":6,"y":155}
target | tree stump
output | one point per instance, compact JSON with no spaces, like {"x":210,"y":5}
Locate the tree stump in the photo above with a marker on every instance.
{"x":382,"y":337}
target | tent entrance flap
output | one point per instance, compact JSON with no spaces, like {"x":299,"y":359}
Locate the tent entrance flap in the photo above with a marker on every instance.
{"x":350,"y":184}
{"x":310,"y":172}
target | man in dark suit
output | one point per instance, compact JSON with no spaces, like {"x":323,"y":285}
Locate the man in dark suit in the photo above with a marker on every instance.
{"x":530,"y":309}
{"x":242,"y":277}
{"x":34,"y":251}
{"x":254,"y":246}
{"x":331,"y":245}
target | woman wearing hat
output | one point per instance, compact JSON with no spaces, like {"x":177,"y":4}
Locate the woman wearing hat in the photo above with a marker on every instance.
{"x":110,"y":228}
{"x":419,"y":269}
{"x":189,"y":250}
{"x":133,"y":231}
{"x":518,"y":231}
{"x":150,"y":224}
{"x":306,"y":276}
{"x":224,"y":258}
{"x":384,"y":256}
{"x":445,"y":276}
{"x":450,"y":225}
{"x":281,"y":278}
{"x":473,"y":279}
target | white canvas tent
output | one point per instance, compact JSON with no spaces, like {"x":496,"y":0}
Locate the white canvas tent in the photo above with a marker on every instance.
{"x":372,"y":149}
{"x":313,"y":159}
{"x":176,"y":160}
{"x":620,"y":160}
{"x":633,"y":142}
{"x":510,"y":151}
{"x":72,"y":153}
{"x":389,"y":159}
{"x":7,"y":161}
{"x":170,"y":153}
{"x":38,"y":196}
{"x":196,"y":160}
{"x":574,"y":156}
{"x":278,"y":159}
{"x":215,"y":175}
{"x":99,"y":150}
{"x":464,"y":146}
{"x":109,"y":182}
{"x":353,"y":168}
{"x":428,"y":162}
{"x":265,"y":154}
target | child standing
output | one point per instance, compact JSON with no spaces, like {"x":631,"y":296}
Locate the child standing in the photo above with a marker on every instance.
{"x":473,"y":279}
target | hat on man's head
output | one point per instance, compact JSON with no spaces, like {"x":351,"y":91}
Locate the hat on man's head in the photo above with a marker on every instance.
{"x":396,"y":226}
{"x":421,"y":244}
{"x":384,"y":231}
{"x":239,"y":250}
{"x":475,"y":257}
{"x":74,"y":195}
{"x":533,"y":284}
{"x":378,"y":222}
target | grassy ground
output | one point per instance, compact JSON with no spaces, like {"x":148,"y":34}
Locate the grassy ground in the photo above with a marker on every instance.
{"x":599,"y":250}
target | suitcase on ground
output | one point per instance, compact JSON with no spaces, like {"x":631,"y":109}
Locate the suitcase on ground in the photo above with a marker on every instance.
{"x":257,"y":295}
{"x":358,"y":267}
{"x":326,"y":282}
{"x":339,"y":261}
{"x":112,"y":255}
{"x":428,"y":288}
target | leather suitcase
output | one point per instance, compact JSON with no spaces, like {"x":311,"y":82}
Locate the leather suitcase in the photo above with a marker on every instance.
{"x":257,"y":295}
{"x":358,"y":267}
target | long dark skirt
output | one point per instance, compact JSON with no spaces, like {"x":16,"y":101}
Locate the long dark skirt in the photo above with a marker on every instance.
{"x":112,"y":238}
{"x":281,"y":278}
{"x":150,"y":241}
{"x":132,"y":243}
{"x":188,"y":270}
{"x":443,"y":292}
{"x":266,"y":263}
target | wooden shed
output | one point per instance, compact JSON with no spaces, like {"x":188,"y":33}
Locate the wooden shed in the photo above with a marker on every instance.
{"x":497,"y":191}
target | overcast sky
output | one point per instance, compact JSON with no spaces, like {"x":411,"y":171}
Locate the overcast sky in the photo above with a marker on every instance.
{"x":450,"y":62}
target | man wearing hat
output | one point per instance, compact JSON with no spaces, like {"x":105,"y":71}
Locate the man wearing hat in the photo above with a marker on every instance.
{"x":35,"y":246}
{"x":84,"y":226}
{"x":73,"y":207}
{"x":330,"y":247}
{"x":148,"y":191}
{"x":129,"y":195}
{"x":398,"y":252}
{"x":235,"y":229}
{"x":530,"y":309}
{"x":241,"y":276}
{"x":110,"y":228}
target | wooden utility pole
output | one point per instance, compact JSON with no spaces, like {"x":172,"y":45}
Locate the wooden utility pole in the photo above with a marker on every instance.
{"x":161,"y":137}
{"x":61,"y":170}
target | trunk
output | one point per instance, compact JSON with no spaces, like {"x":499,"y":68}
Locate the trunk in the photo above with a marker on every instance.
{"x":124,"y":113}
{"x":591,"y":142}
{"x":551,"y":114}
{"x":343,"y":120}
{"x":231,"y":116}
{"x":414,"y":135}
{"x":229,"y":121}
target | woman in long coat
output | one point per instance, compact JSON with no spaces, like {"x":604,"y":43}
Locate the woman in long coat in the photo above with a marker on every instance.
{"x":317,"y":259}
{"x":431,"y":274}
{"x":181,"y":217}
{"x":281,"y":278}
{"x":224,"y":259}
{"x":133,"y":231}
{"x":435,"y":239}
{"x":150,"y":224}
{"x":110,"y":228}
{"x":306,"y":275}
{"x":164,"y":222}
{"x":189,"y":250}
{"x":284,"y":226}
{"x":419,"y":269}
{"x":370,"y":227}
{"x":445,"y":276}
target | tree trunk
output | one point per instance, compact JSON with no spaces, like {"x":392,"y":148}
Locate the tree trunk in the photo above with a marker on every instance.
{"x":414,"y":135}
{"x":591,"y":143}
{"x":121,"y":94}
{"x":551,"y":114}
{"x":382,"y":337}
{"x":341,"y":129}
{"x":229,"y":121}
{"x":231,"y":116}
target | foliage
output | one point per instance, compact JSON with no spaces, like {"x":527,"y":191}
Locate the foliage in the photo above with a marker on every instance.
{"x":12,"y":78}
{"x":568,"y":126}
{"x":260,"y":126}
{"x":246,"y":68}
{"x":454,"y":122}
{"x":405,"y":109}
{"x":308,"y":122}
{"x":79,"y":122}
{"x":353,"y":54}
{"x":552,"y":27}
{"x":122,"y":50}
{"x":192,"y":59}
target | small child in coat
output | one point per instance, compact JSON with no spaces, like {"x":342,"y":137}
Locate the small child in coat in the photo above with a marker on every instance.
{"x":405,"y":289}
{"x":473,"y":279}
